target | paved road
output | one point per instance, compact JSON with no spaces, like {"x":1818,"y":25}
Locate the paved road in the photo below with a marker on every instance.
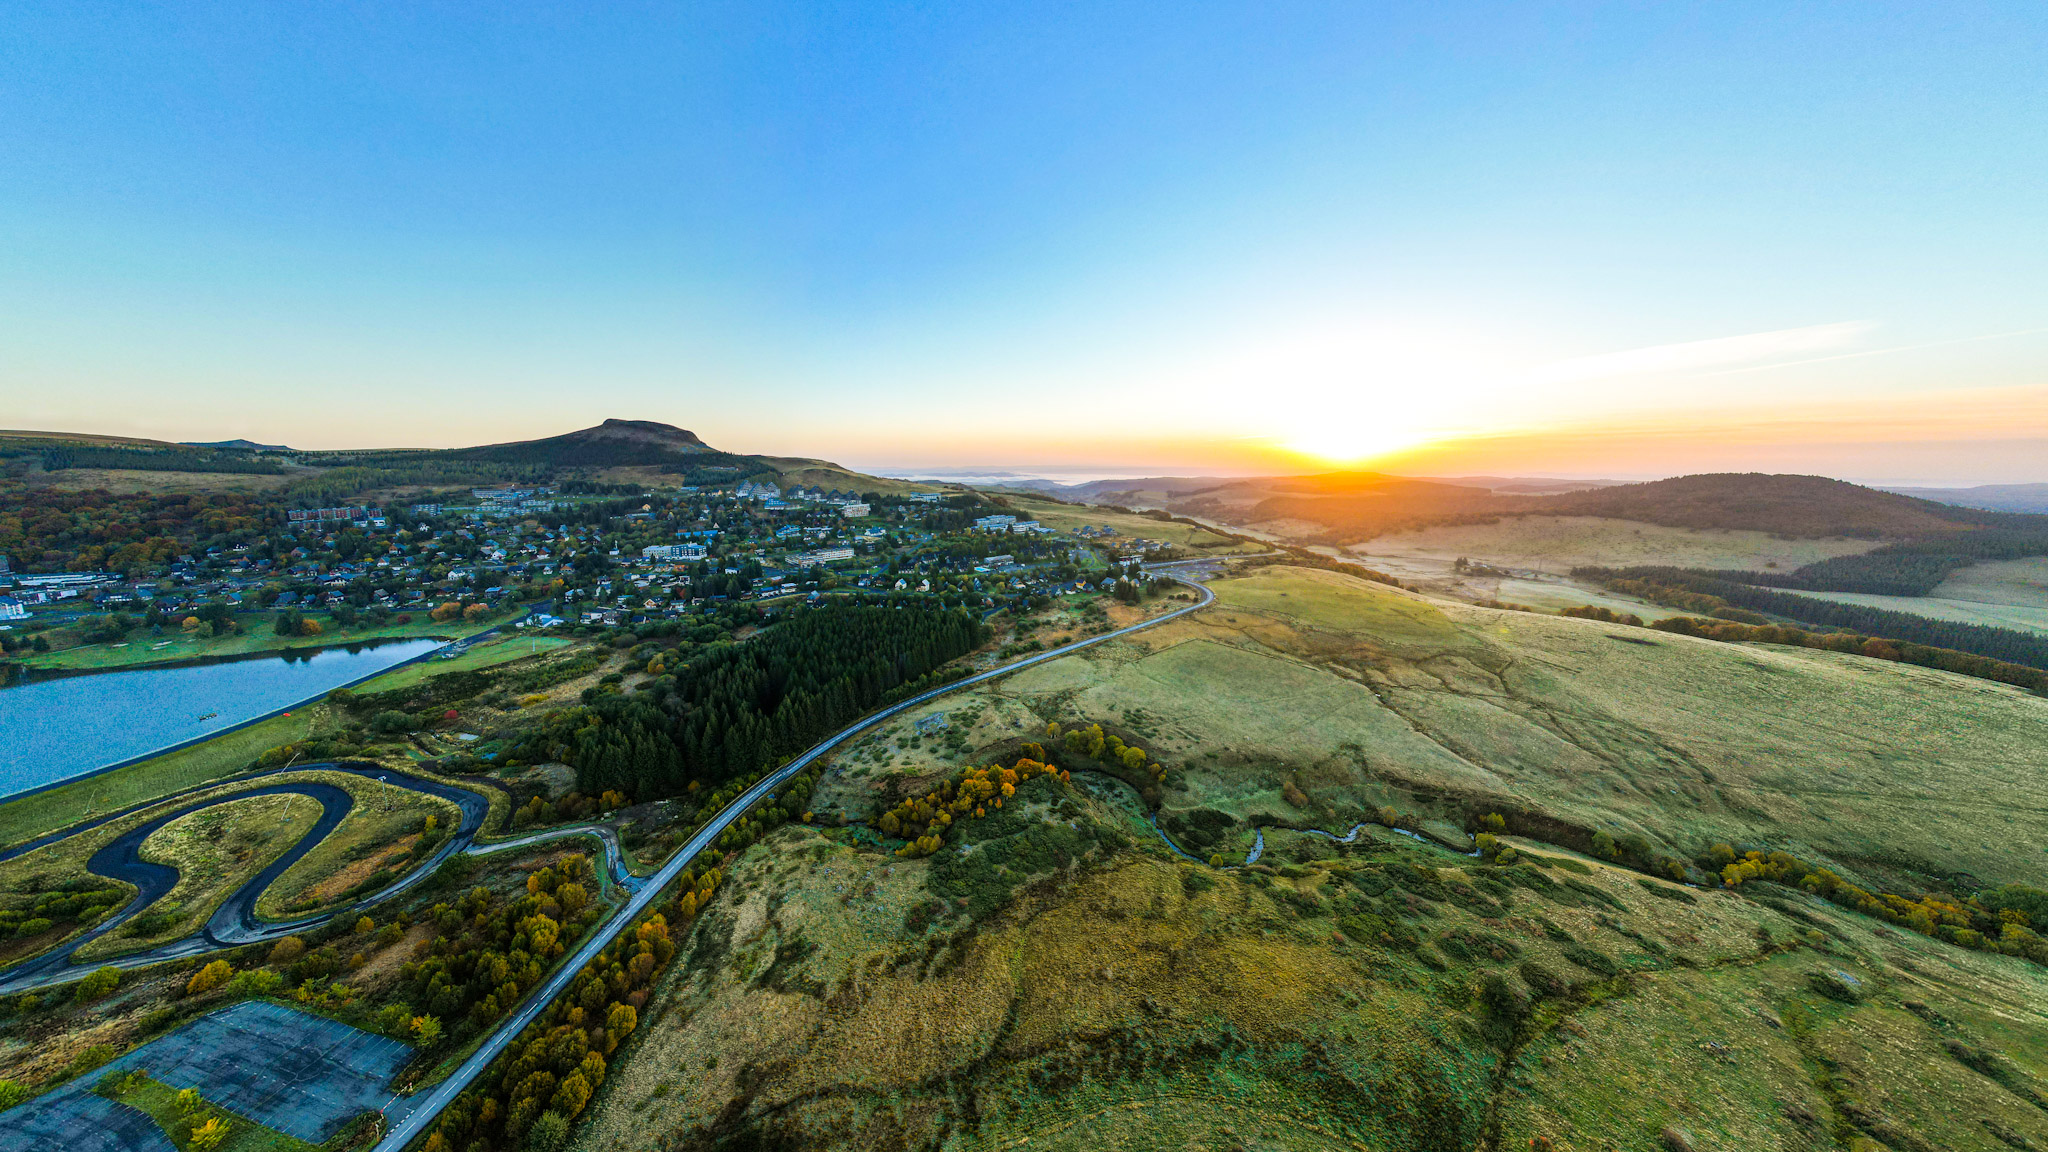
{"x":614,"y":856}
{"x":235,"y":922}
{"x":428,"y":1107}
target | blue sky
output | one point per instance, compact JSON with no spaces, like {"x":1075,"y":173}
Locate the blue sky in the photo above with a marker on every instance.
{"x":1619,"y":239}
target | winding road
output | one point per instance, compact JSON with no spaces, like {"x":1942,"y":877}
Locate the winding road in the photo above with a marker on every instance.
{"x":427,"y":1107}
{"x":235,"y":922}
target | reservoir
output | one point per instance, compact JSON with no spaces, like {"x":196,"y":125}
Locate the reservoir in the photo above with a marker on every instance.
{"x":52,"y":730}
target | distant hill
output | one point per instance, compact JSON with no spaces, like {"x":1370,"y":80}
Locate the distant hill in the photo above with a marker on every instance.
{"x":1808,"y":506}
{"x":1356,"y":506}
{"x":1993,"y":497}
{"x":240,"y":445}
{"x":610,"y":444}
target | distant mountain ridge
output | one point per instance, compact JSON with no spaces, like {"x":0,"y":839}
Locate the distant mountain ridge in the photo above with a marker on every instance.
{"x":1991,"y":497}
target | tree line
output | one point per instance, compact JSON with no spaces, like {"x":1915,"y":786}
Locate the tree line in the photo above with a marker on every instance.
{"x":726,"y":711}
{"x":158,"y":460}
{"x":1674,"y":586}
{"x":1909,"y":568}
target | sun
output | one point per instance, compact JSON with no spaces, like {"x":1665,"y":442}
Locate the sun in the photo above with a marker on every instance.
{"x":1352,"y":444}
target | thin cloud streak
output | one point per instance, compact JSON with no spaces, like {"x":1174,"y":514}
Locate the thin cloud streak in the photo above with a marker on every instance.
{"x":1693,"y":355}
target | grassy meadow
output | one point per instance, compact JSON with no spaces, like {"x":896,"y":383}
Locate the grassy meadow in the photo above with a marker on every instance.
{"x":257,"y":636}
{"x":1054,"y":979}
{"x":485,"y":654}
{"x":1066,"y":517}
{"x":1561,"y":543}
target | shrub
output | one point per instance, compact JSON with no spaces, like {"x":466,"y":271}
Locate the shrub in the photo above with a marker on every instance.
{"x":1591,"y":959}
{"x":98,"y":984}
{"x":208,"y":978}
{"x":255,"y":982}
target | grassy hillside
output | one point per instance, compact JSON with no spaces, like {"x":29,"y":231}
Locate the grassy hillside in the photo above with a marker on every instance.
{"x":1061,"y":981}
{"x":1056,"y":975}
{"x":1792,"y":505}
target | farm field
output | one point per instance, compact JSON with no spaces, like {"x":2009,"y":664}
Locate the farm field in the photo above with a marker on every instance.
{"x":1560,"y":543}
{"x":484,"y":654}
{"x":2023,"y":583}
{"x":1067,"y":517}
{"x":256,"y":636}
{"x":2033,"y":618}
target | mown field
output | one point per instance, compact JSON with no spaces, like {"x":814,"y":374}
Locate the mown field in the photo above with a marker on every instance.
{"x":257,"y":635}
{"x":1561,"y":543}
{"x":484,"y":654}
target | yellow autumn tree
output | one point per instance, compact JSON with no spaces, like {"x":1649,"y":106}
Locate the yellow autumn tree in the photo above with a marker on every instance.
{"x":208,"y":978}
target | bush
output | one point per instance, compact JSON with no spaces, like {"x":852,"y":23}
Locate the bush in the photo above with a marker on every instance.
{"x":100,"y":982}
{"x":1591,"y":959}
{"x":255,"y":982}
{"x":209,"y":978}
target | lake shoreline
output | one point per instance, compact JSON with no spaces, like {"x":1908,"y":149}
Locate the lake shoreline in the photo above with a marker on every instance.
{"x":202,"y":738}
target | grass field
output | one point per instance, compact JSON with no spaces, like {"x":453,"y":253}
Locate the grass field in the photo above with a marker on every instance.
{"x":1066,"y":517}
{"x":1358,"y":693}
{"x":384,"y":823}
{"x":215,"y":851}
{"x":160,"y":1101}
{"x":1340,"y":999}
{"x":146,"y":647}
{"x":485,"y":654}
{"x":130,"y":480}
{"x":2023,"y":583}
{"x":1560,"y":543}
{"x":26,"y":818}
{"x":2026,"y":617}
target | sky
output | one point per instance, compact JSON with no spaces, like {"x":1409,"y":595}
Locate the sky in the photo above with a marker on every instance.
{"x":1442,"y":238}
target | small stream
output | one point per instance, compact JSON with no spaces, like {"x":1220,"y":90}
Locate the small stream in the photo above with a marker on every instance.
{"x":1121,"y":794}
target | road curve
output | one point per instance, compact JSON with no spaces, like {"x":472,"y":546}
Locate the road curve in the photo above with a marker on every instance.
{"x":235,"y":921}
{"x":426,"y":1108}
{"x":614,"y":856}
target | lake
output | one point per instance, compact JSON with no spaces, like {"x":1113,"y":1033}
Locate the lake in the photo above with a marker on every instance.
{"x":52,"y":730}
